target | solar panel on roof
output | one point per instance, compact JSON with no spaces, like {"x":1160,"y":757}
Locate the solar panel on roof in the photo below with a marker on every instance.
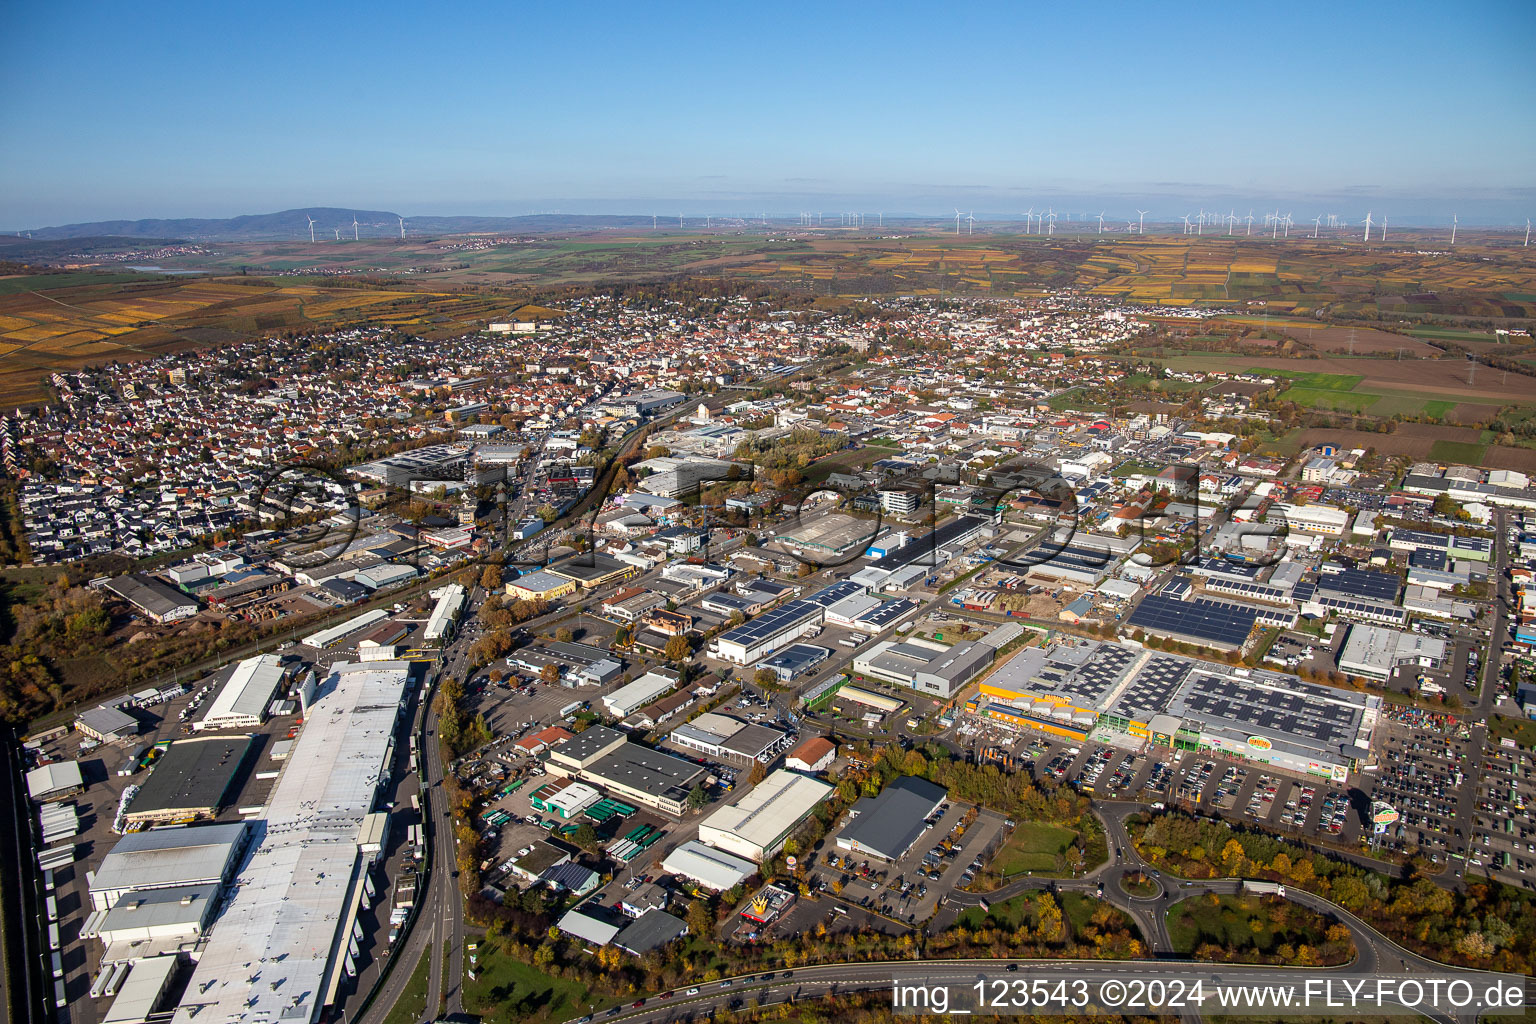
{"x":1363,"y":584}
{"x":1218,"y":623}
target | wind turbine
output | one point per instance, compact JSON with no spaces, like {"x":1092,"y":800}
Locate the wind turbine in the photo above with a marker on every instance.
{"x":957,"y":220}
{"x":1317,"y":222}
{"x":1186,"y":223}
{"x":1250,"y":223}
{"x":1527,"y":232}
{"x":1200,"y":223}
{"x":1367,"y":225}
{"x":402,"y":226}
{"x":1453,"y":229}
{"x":1051,"y":216}
{"x":312,"y":228}
{"x":1101,"y":222}
{"x":1141,"y":222}
{"x":1029,"y":221}
{"x":1274,"y":226}
{"x":338,"y":233}
{"x":1383,"y":227}
{"x":1232,"y":219}
{"x":970,"y":227}
{"x":1287,"y":225}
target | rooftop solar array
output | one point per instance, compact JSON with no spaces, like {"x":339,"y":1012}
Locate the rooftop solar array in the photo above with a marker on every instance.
{"x":1082,"y":559}
{"x":828,"y":596}
{"x":1176,"y":587}
{"x":1223,"y":567}
{"x":1281,"y":618}
{"x":771,"y":623}
{"x":1309,"y":716}
{"x":1427,"y":558}
{"x":1420,"y":539}
{"x":1363,"y":609}
{"x":887,"y":613}
{"x":1213,"y":622}
{"x":1087,"y":675}
{"x":1153,"y":689}
{"x":1363,"y":584}
{"x":922,"y":549}
{"x":1252,"y":591}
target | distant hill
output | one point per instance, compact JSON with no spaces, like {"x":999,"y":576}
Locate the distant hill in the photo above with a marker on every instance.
{"x":293,"y":225}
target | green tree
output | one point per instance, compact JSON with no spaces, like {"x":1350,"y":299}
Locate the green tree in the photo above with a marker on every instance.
{"x":677,"y":648}
{"x":697,"y":798}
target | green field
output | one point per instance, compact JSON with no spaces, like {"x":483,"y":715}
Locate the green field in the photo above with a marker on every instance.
{"x":412,"y":1004}
{"x":1462,"y":452}
{"x":1330,"y":399}
{"x":1034,"y":847}
{"x":1237,"y":924}
{"x":1450,"y":334}
{"x":1312,"y":379}
{"x":509,"y":991}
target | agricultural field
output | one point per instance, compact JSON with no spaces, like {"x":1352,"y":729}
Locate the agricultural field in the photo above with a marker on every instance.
{"x":53,"y":322}
{"x":1446,"y":388}
{"x":1422,"y":442}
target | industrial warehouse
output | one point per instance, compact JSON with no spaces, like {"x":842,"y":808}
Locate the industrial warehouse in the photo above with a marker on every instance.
{"x":604,"y":757}
{"x":1073,"y":689}
{"x":756,"y":826}
{"x":295,"y":900}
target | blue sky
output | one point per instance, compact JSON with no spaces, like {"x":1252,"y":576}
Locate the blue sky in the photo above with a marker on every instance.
{"x":167,"y":110}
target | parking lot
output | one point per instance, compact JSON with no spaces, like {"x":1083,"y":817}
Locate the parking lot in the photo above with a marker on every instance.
{"x":1504,"y":841}
{"x":953,"y":845}
{"x":1200,"y":782}
{"x":1421,"y":777}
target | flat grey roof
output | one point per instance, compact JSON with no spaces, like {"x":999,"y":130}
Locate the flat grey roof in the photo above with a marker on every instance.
{"x":646,"y":770}
{"x":193,"y":775}
{"x":167,"y":856}
{"x":892,"y":821}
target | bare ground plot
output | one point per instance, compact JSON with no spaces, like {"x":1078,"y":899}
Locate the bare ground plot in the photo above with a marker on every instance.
{"x":1417,"y":441}
{"x":1329,"y":338}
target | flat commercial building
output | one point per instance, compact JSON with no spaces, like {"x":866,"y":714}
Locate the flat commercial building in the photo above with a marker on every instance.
{"x":885,"y":827}
{"x":879,"y":702}
{"x":55,"y":781}
{"x":191,"y":780}
{"x":107,"y":724}
{"x":757,"y":825}
{"x":153,"y":599}
{"x":709,"y":867}
{"x":831,"y":533}
{"x":728,"y":739}
{"x":934,"y":548}
{"x":438,"y":462}
{"x":283,"y":943}
{"x":605,"y":758}
{"x":244,"y":700}
{"x":168,"y":858}
{"x":155,"y":915}
{"x":1375,"y":651}
{"x":795,"y":660}
{"x":594,"y":569}
{"x":628,"y":699}
{"x":1261,"y":716}
{"x":444,"y":613}
{"x":541,"y":586}
{"x":755,"y":640}
{"x":335,"y":634}
{"x":926,"y":666}
{"x":1219,"y":624}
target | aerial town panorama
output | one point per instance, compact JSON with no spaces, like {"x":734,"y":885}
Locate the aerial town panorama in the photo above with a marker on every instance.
{"x":647,"y":596}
